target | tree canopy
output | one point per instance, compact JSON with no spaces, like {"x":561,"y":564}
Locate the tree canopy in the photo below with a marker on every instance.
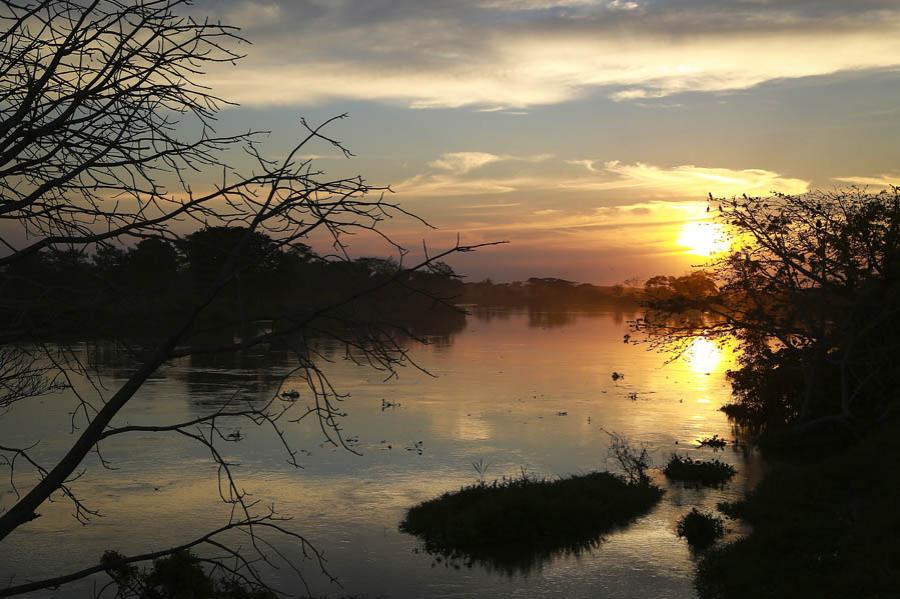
{"x":810,"y":290}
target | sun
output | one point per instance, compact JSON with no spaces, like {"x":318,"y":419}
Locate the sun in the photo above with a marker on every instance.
{"x":703,"y":355}
{"x":703,"y":239}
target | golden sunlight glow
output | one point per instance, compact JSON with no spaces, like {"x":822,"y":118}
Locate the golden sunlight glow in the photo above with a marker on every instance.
{"x":703,"y":355}
{"x":703,"y":239}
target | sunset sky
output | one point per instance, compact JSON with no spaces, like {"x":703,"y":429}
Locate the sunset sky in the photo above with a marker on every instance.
{"x":586,"y":132}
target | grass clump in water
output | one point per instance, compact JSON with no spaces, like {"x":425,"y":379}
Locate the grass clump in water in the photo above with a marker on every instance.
{"x":699,"y":472}
{"x":701,"y":529}
{"x":516,"y":524}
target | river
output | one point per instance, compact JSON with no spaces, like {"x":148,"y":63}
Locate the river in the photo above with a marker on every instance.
{"x":514,"y":390}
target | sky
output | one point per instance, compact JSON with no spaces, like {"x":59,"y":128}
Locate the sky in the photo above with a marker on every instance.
{"x":586,"y":133}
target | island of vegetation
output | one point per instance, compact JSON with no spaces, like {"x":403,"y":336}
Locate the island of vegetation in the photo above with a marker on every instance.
{"x":516,"y":524}
{"x":698,"y":472}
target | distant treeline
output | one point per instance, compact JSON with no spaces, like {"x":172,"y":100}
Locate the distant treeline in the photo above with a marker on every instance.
{"x":550,"y":293}
{"x":141,"y":287}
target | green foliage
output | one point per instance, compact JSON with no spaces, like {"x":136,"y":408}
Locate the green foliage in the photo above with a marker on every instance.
{"x":516,"y":524}
{"x":701,"y":529}
{"x":699,"y":472}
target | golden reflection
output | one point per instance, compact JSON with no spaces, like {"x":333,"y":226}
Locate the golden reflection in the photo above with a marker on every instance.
{"x":703,"y":239}
{"x":703,"y":356}
{"x":470,"y":428}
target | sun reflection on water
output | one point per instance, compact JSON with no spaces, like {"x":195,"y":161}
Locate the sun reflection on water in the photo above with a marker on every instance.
{"x":703,"y":356}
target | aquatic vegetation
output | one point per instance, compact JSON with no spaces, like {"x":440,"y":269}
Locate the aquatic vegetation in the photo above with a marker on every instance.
{"x":633,"y":461}
{"x":481,"y":467}
{"x":701,"y":529}
{"x":700,"y":472}
{"x":515,"y":524}
{"x":716,"y":442}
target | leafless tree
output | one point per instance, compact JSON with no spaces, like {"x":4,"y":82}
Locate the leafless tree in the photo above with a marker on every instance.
{"x":96,"y":98}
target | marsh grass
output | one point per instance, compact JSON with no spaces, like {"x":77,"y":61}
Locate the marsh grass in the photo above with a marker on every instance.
{"x":698,"y":472}
{"x":515,"y":524}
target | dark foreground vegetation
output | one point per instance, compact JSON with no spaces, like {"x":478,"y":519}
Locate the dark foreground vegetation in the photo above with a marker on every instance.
{"x":701,"y":529}
{"x":829,"y":529}
{"x":811,"y":294}
{"x":698,"y":472}
{"x":179,"y":575}
{"x":516,"y":524}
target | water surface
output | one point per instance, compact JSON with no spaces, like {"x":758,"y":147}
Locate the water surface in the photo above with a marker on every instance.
{"x":515,"y":390}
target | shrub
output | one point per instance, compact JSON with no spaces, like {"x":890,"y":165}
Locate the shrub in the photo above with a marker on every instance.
{"x":701,"y":529}
{"x":700,"y":472}
{"x":823,"y":529}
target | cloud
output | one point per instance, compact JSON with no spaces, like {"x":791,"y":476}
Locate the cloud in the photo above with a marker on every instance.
{"x":588,"y":164}
{"x":884,"y":180}
{"x":692,"y":180}
{"x":623,"y":5}
{"x":444,"y":185}
{"x":458,"y":176}
{"x":513,"y":54}
{"x":463,"y":162}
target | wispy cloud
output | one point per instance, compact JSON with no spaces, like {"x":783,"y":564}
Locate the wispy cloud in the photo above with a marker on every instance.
{"x":884,"y":180}
{"x":690,"y":180}
{"x":463,"y":162}
{"x":458,"y":176}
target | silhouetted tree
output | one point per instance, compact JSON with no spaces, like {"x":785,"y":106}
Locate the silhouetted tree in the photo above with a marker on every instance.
{"x":811,"y":292}
{"x":153,"y":258}
{"x":96,"y":103}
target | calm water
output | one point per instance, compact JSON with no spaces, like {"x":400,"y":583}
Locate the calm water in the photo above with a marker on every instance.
{"x":499,"y":387}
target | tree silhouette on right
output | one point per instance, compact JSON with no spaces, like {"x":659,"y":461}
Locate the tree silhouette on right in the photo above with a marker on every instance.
{"x":809,"y":289}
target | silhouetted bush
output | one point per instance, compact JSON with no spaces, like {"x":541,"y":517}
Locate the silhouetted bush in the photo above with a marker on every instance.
{"x":689,"y":470}
{"x":177,"y":576}
{"x":810,"y":442}
{"x":515,"y":524}
{"x":819,"y":530}
{"x":701,"y":529}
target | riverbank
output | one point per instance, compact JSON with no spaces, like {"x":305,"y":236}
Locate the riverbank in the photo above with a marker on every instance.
{"x":821,"y":529}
